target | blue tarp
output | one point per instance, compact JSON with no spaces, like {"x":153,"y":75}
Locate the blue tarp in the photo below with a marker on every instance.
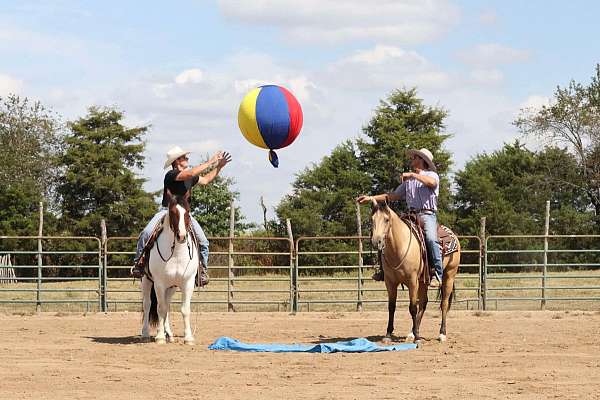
{"x":360,"y":345}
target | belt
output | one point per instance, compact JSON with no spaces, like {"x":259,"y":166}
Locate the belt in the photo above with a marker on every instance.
{"x":422,"y":210}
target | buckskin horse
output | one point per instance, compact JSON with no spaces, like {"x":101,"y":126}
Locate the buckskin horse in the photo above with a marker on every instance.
{"x":173,"y":262}
{"x":403,"y":264}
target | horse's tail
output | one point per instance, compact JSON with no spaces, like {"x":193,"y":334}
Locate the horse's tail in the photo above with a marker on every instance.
{"x":153,"y":315}
{"x":440,"y":295}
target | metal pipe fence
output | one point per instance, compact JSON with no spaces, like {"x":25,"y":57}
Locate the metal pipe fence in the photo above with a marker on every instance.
{"x":40,"y":262}
{"x":565,"y":267}
{"x":308,"y":274}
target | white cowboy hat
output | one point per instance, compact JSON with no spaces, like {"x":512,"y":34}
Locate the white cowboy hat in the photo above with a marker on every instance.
{"x":173,"y":154}
{"x":425,"y":155}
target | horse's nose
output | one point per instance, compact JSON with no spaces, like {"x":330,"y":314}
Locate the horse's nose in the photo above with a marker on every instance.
{"x":380,"y":244}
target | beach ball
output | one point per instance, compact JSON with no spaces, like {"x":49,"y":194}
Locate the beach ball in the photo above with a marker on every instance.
{"x":270,"y":117}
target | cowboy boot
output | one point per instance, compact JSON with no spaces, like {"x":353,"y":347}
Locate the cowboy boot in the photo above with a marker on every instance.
{"x":203,"y":278}
{"x":137,"y":271}
{"x":378,"y":276}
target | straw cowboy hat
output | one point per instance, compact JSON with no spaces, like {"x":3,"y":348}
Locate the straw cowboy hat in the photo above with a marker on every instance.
{"x":425,"y":155}
{"x":173,"y":154}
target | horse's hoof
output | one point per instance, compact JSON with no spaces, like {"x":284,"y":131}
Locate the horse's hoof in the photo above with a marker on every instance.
{"x":386,"y":340}
{"x":418,"y":343}
{"x":442,"y":338}
{"x":410,"y":337}
{"x":170,"y":339}
{"x":189,"y":342}
{"x":160,"y":340}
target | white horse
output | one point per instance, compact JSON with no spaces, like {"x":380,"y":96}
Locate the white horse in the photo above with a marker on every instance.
{"x":173,"y":263}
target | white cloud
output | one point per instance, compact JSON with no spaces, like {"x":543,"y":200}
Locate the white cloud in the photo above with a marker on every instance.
{"x":386,"y":68}
{"x":491,"y":54}
{"x":488,"y":18}
{"x":332,"y":21}
{"x":9,"y":85}
{"x":487,"y":76}
{"x":535,"y":102}
{"x":193,"y":75}
{"x":14,"y":38}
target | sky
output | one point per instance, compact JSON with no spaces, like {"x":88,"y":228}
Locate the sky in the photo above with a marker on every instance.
{"x":183,"y":67}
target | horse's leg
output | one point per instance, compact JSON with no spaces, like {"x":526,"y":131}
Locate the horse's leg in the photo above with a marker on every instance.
{"x":146,"y":288}
{"x":413,"y":308}
{"x":446,"y":288}
{"x":392,"y":290}
{"x":169,"y":295}
{"x":186,"y":297}
{"x":422,"y":298}
{"x":162,"y":313}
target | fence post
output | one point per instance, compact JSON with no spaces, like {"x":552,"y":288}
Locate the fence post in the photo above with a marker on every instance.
{"x":103,"y":272}
{"x":230,"y":254}
{"x":545,"y":271}
{"x":483,"y":265}
{"x":360,"y":258}
{"x":39,"y":258}
{"x":293,"y":270}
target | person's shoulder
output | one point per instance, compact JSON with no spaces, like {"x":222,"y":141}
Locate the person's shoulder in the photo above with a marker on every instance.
{"x":432,"y":174}
{"x":171,"y":174}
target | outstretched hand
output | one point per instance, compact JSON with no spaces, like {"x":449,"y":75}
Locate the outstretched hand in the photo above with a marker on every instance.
{"x":223,"y":159}
{"x":407,"y":175}
{"x":362,"y":199}
{"x":215,"y":157}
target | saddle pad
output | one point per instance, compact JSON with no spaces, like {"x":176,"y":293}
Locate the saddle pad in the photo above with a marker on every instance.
{"x":448,"y":240}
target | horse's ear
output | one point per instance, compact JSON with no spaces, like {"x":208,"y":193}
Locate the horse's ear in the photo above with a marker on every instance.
{"x":374,"y":204}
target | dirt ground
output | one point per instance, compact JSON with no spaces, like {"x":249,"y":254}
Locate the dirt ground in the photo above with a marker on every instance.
{"x":495,"y":355}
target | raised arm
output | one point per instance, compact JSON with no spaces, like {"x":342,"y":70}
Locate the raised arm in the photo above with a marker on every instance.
{"x":198,"y":169}
{"x":379,"y":197}
{"x":223,"y":159}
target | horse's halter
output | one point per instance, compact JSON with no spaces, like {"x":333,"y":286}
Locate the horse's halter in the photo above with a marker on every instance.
{"x":174,"y":225}
{"x":377,"y":208}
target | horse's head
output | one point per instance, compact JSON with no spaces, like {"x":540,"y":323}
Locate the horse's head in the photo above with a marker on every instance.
{"x":381,"y":223}
{"x":180,"y":221}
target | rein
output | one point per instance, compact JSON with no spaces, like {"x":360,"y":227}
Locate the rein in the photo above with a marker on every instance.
{"x":187,"y":242}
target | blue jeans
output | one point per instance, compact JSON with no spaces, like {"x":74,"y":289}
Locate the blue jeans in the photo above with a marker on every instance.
{"x":432,"y":242}
{"x":145,"y":235}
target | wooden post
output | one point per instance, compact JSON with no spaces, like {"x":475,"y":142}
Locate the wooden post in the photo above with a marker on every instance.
{"x":545,"y":271}
{"x":293,"y":270}
{"x":483,"y":265}
{"x":230,"y":253}
{"x":39,"y":258}
{"x":359,"y":304}
{"x":103,"y":262}
{"x":264,"y":208}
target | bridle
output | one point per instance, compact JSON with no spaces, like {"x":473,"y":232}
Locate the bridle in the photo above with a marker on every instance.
{"x":188,"y":230}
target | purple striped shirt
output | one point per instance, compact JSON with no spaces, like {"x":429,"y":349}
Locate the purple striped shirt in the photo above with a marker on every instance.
{"x":418,"y":195}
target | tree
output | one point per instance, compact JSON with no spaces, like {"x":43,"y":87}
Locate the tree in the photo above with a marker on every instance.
{"x":573,"y":118}
{"x":400,"y":123}
{"x":99,"y":179}
{"x":510,"y":188}
{"x":211,"y":206}
{"x":323,"y":200}
{"x":30,"y":139}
